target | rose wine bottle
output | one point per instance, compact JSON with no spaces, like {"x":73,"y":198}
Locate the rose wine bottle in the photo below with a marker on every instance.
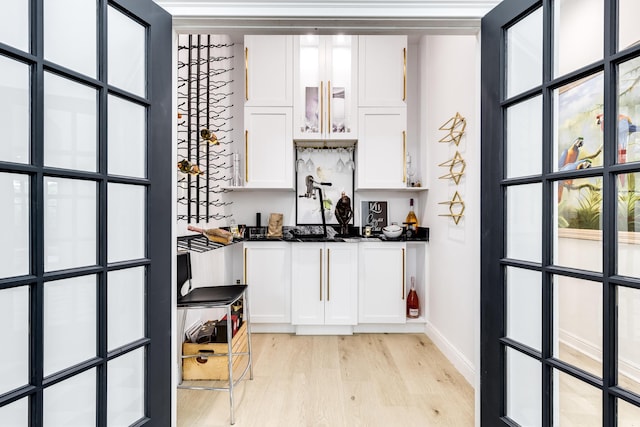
{"x":413,"y":304}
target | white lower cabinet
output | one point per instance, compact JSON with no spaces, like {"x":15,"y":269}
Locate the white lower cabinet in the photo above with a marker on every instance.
{"x":268,"y":276}
{"x":382,"y":284}
{"x":324,"y":283}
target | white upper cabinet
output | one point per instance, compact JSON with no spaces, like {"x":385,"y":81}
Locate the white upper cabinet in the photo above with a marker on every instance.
{"x":382,"y":71}
{"x":268,"y":76}
{"x":268,"y":148}
{"x":382,"y":148}
{"x":325,"y":87}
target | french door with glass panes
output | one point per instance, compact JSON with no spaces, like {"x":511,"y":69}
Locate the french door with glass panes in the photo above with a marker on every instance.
{"x":560,"y":342}
{"x":85,"y":178}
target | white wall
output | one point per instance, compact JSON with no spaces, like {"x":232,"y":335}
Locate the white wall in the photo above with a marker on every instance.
{"x":450,"y":84}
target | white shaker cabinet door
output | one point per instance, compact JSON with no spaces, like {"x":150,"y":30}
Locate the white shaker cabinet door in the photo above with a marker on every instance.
{"x":382,"y":71}
{"x":307,"y":291}
{"x":267,"y":274}
{"x":268,"y":148}
{"x":341,"y":306}
{"x":268,"y":63}
{"x":382,"y":148}
{"x":382,"y":283}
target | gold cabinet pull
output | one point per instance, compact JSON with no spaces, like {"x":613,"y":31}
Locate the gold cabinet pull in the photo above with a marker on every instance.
{"x":246,"y":156}
{"x":328,"y":274}
{"x":404,"y":156}
{"x":245,"y":265}
{"x":320,"y":274}
{"x":246,"y":73}
{"x":329,"y":106}
{"x":404,"y":75}
{"x":403,"y":284}
{"x":321,"y":107}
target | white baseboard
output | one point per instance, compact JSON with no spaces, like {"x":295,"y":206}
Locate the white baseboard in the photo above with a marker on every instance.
{"x":626,"y":367}
{"x":457,"y":359}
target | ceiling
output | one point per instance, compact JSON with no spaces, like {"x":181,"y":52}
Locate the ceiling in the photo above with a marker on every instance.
{"x":411,"y":17}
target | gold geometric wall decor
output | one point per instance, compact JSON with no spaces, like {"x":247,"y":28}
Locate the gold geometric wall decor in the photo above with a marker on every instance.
{"x":456,"y":207}
{"x":455,"y":127}
{"x":456,"y":167}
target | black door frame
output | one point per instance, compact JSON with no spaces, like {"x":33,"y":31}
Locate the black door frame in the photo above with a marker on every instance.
{"x":158,"y":185}
{"x":494,"y":341}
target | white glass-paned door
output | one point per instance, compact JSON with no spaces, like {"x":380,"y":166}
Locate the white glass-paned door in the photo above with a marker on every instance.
{"x":126,"y":222}
{"x":14,"y":24}
{"x":524,"y":306}
{"x":71,"y":38}
{"x":125,"y":389}
{"x":14,"y":224}
{"x":125,"y":306}
{"x":524,"y":54}
{"x":127,"y":138}
{"x":524,"y":389}
{"x":126,"y":53}
{"x":69,"y":223}
{"x":524,"y":222}
{"x":16,"y":414}
{"x":14,"y":318}
{"x":524,"y":138}
{"x":70,"y":124}
{"x":14,"y":110}
{"x":72,"y":402}
{"x":69,"y":322}
{"x":578,"y":34}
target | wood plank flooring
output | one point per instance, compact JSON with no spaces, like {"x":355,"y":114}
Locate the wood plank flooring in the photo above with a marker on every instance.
{"x":360,"y":380}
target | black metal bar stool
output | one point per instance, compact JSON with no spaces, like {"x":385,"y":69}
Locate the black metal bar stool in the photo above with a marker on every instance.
{"x":214,"y":297}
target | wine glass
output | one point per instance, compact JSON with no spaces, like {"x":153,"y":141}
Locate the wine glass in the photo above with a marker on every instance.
{"x":311,"y":167}
{"x":340,"y":166}
{"x":300,"y":163}
{"x":350,"y":164}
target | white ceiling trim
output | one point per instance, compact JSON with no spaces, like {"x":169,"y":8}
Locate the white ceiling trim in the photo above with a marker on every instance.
{"x":370,"y":9}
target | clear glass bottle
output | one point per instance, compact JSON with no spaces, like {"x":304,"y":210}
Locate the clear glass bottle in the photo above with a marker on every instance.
{"x":236,"y":180}
{"x":412,"y":219}
{"x":413,"y":303}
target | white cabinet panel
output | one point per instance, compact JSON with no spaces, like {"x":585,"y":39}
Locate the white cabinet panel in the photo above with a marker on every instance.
{"x":324,"y":283}
{"x":382,"y":286}
{"x":267,"y":272}
{"x":382,"y":71}
{"x":268,"y":71}
{"x":382,"y":148}
{"x":268,"y":147}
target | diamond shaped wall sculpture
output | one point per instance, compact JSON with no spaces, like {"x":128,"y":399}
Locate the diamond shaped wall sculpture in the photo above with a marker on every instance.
{"x":455,"y":127}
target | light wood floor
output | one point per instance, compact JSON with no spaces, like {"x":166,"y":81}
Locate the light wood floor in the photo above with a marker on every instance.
{"x":360,"y":380}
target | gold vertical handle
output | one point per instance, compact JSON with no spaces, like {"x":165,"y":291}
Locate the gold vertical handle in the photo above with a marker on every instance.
{"x":321,"y":107}
{"x":246,"y":73}
{"x":329,"y":106}
{"x":320,"y":274}
{"x":246,"y":156}
{"x":404,"y":156}
{"x":404,"y":74}
{"x":245,"y":265}
{"x":403,"y":273}
{"x":328,"y":274}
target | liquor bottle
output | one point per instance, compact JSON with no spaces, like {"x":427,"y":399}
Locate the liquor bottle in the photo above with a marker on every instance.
{"x":412,"y":219}
{"x":413,"y":304}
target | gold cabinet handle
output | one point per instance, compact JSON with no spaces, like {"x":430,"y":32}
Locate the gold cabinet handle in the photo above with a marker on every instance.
{"x":404,"y":75}
{"x":320,"y":274}
{"x":329,"y":106}
{"x":246,"y":73}
{"x":404,"y":156}
{"x":403,"y":284}
{"x":245,"y":265}
{"x":246,"y":156}
{"x":328,"y":274}
{"x":321,"y":107}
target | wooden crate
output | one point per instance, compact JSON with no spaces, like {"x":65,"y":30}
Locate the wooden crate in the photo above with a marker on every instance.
{"x":214,"y":367}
